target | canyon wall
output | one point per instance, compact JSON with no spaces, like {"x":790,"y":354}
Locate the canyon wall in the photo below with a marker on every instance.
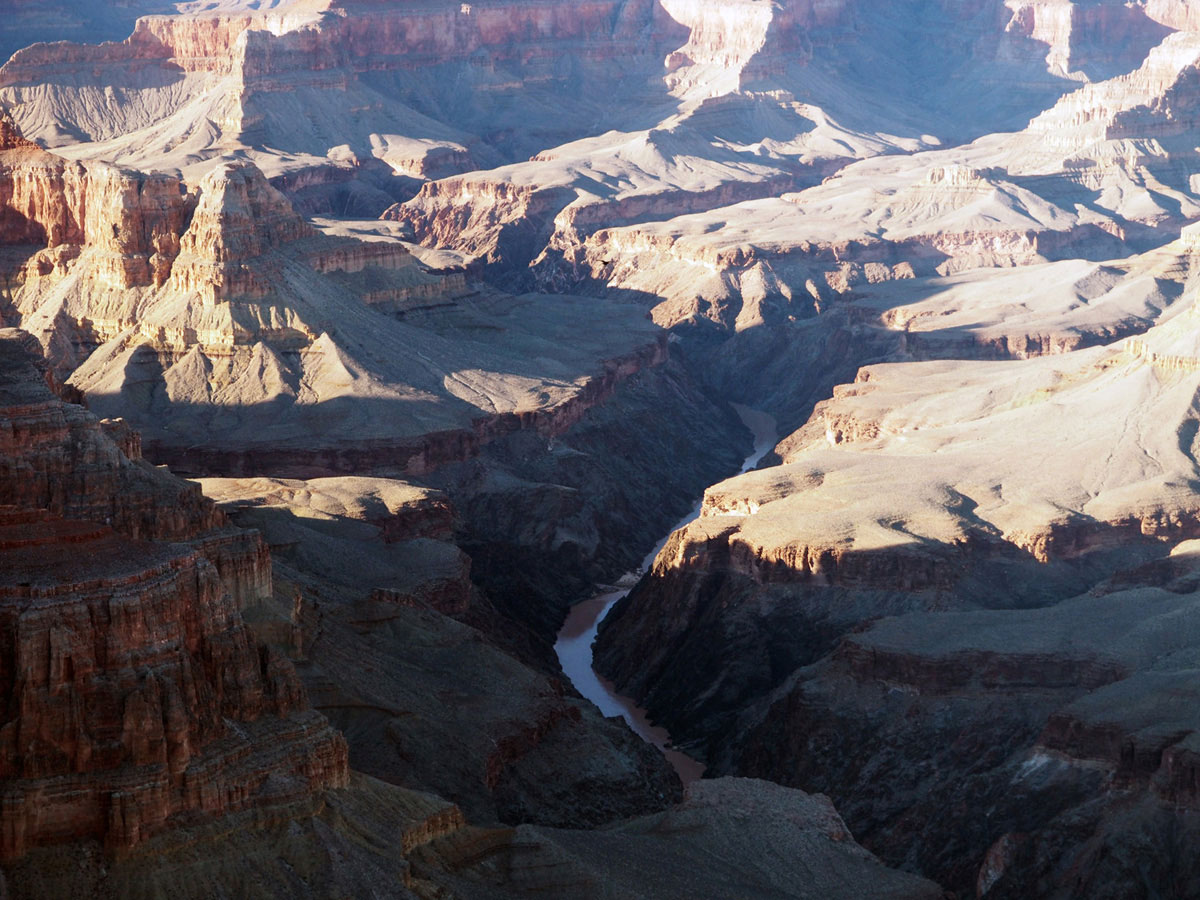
{"x":136,"y":693}
{"x":947,"y":244}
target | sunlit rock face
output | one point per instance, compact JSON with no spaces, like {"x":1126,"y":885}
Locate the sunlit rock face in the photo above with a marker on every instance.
{"x":223,"y":297}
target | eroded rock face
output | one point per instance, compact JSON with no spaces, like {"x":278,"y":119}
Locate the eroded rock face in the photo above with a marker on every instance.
{"x":681,"y":851}
{"x":215,"y":300}
{"x":368,"y":564}
{"x":241,"y":311}
{"x":130,"y":222}
{"x":408,"y":657}
{"x":763,"y":637}
{"x":238,"y":220}
{"x":1049,"y":718}
{"x":946,"y":244}
{"x":887,"y":616}
{"x":136,"y":693}
{"x":257,"y":72}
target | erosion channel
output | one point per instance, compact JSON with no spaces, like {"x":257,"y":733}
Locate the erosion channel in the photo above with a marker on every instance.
{"x":575,"y":638}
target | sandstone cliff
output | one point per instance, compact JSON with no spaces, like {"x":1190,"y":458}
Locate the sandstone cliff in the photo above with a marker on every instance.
{"x":948,"y":245}
{"x":136,"y":694}
{"x":411,"y":643}
{"x":311,"y":88}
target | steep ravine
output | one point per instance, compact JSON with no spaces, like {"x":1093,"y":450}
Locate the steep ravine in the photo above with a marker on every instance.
{"x":575,"y":638}
{"x":544,"y":519}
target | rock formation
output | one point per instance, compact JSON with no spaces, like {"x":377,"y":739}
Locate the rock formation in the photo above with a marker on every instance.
{"x":225,"y":297}
{"x":950,"y":247}
{"x":135,"y":695}
{"x":311,"y":89}
{"x":683,"y":851}
{"x":405,"y":653}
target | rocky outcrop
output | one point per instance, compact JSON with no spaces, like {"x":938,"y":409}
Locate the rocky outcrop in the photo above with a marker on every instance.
{"x":369,"y":582}
{"x":239,"y":63}
{"x":131,"y":221}
{"x":545,"y":521}
{"x":239,"y":219}
{"x":770,"y":262}
{"x":102,"y":251}
{"x":1092,"y":40}
{"x":243,"y":302}
{"x":357,"y":839}
{"x":125,"y":675}
{"x":876,"y":628}
{"x":790,"y":557}
{"x":675,"y":853}
{"x":947,"y":601}
{"x":418,"y":454}
{"x":1153,"y":101}
{"x":1070,"y":723}
{"x":57,"y":457}
{"x":136,"y":694}
{"x":364,"y":567}
{"x":511,"y":226}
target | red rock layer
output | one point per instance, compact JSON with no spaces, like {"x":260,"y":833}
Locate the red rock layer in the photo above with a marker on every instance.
{"x":361,"y":36}
{"x":131,"y":691}
{"x":134,"y":219}
{"x":55,"y":456}
{"x":239,"y":218}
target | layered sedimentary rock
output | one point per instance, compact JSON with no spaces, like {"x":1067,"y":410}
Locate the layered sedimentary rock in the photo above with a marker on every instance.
{"x":31,"y":22}
{"x":1042,"y":447}
{"x":1029,"y":436}
{"x":1066,"y":723}
{"x":228,"y":298}
{"x":948,"y":240}
{"x":541,"y":212}
{"x":543,"y":521}
{"x":259,"y":80}
{"x":353,"y":840}
{"x":376,"y":81}
{"x":375,"y":837}
{"x":767,"y":105}
{"x":128,"y":224}
{"x":368,"y":581}
{"x":136,"y":694}
{"x":1103,"y":172}
{"x":857,"y":511}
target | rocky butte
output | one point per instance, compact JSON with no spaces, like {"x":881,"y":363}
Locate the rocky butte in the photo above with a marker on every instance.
{"x":450,"y":311}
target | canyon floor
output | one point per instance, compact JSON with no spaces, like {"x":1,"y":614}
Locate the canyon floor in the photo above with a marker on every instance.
{"x":345,"y":345}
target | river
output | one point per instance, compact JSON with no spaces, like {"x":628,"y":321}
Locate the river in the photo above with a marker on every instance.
{"x":574,"y":644}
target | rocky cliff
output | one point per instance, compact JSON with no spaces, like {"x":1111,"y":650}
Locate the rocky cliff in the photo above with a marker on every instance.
{"x":395,"y":618}
{"x":261,"y":74}
{"x":225,"y":296}
{"x":136,"y":695}
{"x":130,"y":223}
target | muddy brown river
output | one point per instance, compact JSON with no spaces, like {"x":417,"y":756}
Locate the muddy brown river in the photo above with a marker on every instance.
{"x":574,"y":644}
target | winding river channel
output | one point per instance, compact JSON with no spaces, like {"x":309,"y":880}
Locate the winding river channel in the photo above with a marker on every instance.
{"x":574,"y":644}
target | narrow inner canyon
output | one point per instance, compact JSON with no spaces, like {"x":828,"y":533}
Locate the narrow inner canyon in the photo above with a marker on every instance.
{"x":573,"y":645}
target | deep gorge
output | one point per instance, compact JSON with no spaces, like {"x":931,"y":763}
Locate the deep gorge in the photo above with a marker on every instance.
{"x":352,"y":352}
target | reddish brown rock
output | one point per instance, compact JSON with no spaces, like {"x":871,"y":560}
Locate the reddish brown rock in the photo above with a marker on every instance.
{"x":133,"y":694}
{"x":238,"y":219}
{"x":133,"y":220}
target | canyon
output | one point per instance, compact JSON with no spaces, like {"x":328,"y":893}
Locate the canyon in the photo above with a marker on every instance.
{"x":451,"y":311}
